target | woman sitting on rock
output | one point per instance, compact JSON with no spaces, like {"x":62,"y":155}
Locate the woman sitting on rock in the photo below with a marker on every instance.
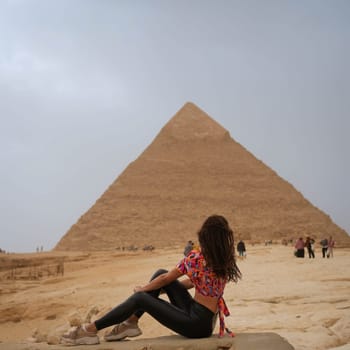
{"x":208,"y":269}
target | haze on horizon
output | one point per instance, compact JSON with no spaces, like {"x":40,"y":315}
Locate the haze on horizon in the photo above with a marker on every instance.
{"x":85,"y":86}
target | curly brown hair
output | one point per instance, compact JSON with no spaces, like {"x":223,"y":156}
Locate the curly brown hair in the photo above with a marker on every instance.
{"x":218,"y":248}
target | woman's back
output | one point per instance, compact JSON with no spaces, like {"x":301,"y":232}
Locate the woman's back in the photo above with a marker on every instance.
{"x":205,"y":281}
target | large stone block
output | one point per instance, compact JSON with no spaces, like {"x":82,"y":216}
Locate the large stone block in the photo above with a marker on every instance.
{"x":245,"y":341}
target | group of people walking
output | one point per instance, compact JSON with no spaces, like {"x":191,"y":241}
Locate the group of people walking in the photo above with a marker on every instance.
{"x":326,"y":244}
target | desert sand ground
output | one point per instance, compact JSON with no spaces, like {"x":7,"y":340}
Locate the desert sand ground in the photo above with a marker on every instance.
{"x":306,"y":301}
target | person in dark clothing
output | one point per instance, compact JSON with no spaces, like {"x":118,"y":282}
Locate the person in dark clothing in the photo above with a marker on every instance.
{"x":324,"y":245}
{"x":309,"y":244}
{"x":241,"y":249}
{"x":188,"y":248}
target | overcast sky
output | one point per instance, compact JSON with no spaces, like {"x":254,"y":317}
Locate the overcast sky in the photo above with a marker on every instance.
{"x":85,"y":86}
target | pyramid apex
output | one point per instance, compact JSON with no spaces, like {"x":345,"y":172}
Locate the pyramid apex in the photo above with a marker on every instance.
{"x":190,"y":106}
{"x":192,"y":123}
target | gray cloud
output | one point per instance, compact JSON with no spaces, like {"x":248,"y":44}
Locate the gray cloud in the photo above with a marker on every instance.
{"x":86,"y":85}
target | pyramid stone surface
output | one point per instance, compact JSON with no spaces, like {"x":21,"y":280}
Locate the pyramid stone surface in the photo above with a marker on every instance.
{"x":192,"y":169}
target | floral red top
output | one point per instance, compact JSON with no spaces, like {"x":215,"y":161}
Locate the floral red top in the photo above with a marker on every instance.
{"x":206,"y":283}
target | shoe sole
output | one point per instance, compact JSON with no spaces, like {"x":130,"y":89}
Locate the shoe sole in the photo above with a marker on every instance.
{"x":128,"y":333}
{"x":80,"y":341}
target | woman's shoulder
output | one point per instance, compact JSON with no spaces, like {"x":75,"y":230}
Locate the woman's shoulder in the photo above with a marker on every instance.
{"x":195,"y":259}
{"x":195,"y":253}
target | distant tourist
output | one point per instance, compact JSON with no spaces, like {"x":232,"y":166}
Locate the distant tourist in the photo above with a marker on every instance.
{"x":309,"y":244}
{"x":324,"y":245}
{"x":331,"y":244}
{"x":188,"y":247}
{"x":241,"y":249}
{"x":207,"y":269}
{"x":300,"y":248}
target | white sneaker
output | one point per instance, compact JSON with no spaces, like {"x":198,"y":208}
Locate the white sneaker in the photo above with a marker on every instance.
{"x":123,"y":330}
{"x":80,"y":336}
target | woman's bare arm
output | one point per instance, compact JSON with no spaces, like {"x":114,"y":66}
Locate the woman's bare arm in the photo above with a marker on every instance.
{"x":187,"y":283}
{"x":160,"y":281}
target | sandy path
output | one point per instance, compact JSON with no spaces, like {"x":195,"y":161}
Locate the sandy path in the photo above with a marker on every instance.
{"x":306,"y":301}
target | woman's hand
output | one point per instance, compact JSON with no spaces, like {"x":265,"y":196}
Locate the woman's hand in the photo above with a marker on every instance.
{"x":138,"y":289}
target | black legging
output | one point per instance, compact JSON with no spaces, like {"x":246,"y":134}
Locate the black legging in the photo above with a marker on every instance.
{"x":183,"y":314}
{"x":311,"y":252}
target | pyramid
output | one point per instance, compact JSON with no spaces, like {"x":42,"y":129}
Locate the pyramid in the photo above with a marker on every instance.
{"x":192,"y":169}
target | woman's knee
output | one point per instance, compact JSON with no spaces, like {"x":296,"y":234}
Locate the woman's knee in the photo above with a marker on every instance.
{"x":143,"y":300}
{"x":158,"y":273}
{"x":138,"y":298}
